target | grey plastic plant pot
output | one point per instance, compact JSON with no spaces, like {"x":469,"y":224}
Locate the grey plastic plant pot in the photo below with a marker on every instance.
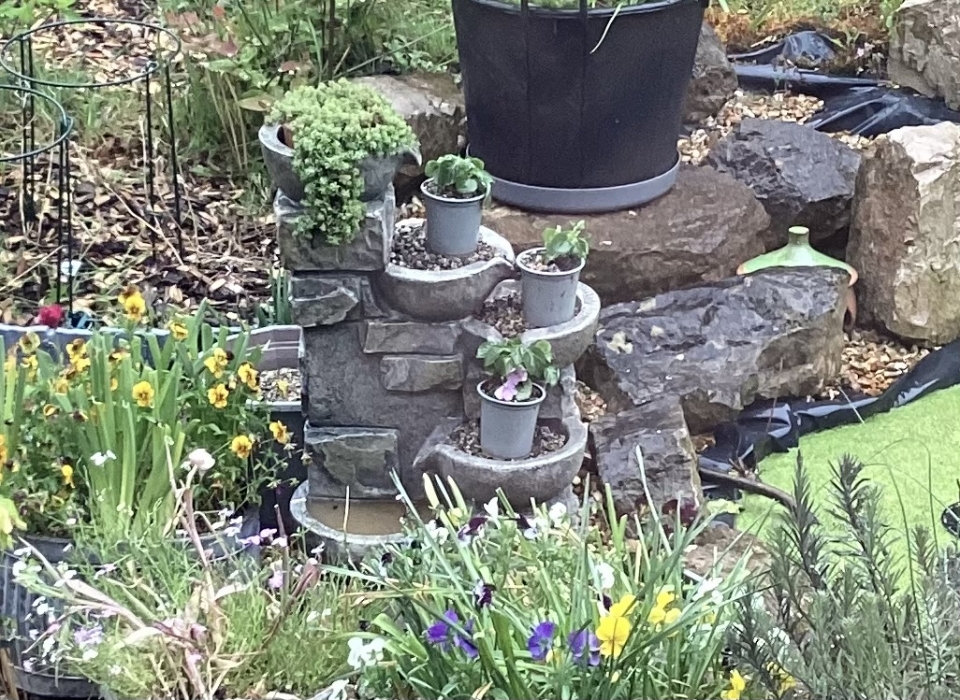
{"x":549,"y":298}
{"x":453,"y":225}
{"x":507,"y":428}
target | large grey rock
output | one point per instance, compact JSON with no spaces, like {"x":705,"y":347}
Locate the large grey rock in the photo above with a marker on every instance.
{"x":713,"y":82}
{"x":360,"y":459}
{"x":343,"y":389}
{"x":925,"y":48}
{"x":447,"y":295}
{"x":432,"y":104}
{"x":407,"y":336}
{"x":669,"y":471}
{"x":418,"y":373}
{"x":369,"y":251}
{"x":700,"y":231}
{"x":323,"y":301}
{"x":720,"y":346}
{"x":801,"y":176}
{"x":905,"y":235}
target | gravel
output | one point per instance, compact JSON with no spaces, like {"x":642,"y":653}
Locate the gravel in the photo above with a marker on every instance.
{"x":505,"y":314}
{"x":871,"y":363}
{"x":790,"y":108}
{"x":280,"y":385}
{"x":410,"y":250}
{"x":466,"y":437}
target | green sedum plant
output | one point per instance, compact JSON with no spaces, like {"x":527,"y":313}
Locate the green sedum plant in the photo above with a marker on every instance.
{"x":516,"y":365}
{"x":458,"y":177}
{"x":335,"y":126}
{"x":565,"y":243}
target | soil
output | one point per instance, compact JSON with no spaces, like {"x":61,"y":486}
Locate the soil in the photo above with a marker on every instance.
{"x":466,"y":437}
{"x":410,"y":250}
{"x":539,"y":263}
{"x":447,"y":192}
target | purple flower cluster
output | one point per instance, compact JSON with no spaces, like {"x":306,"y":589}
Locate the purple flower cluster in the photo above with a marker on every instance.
{"x":443,"y":634}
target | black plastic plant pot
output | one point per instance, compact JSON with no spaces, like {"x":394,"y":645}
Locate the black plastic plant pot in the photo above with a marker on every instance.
{"x":576,"y":110}
{"x":950,"y":519}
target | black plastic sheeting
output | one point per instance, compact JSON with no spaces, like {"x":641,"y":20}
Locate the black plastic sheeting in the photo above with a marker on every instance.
{"x":865,"y":106}
{"x":776,"y":426}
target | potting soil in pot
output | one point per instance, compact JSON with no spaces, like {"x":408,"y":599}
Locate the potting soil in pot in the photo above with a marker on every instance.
{"x":910,"y":453}
{"x":506,"y":314}
{"x":410,"y":250}
{"x":545,"y":440}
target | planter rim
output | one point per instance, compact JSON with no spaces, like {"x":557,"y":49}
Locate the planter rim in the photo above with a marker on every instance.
{"x":545,"y":273}
{"x":604,"y":12}
{"x":298,"y":508}
{"x":513,"y":404}
{"x":272,"y":134}
{"x":451,"y":200}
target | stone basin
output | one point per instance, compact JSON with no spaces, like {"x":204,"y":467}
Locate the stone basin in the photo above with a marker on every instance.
{"x":447,"y":295}
{"x":370,"y":524}
{"x":542,"y":478}
{"x":568,"y":340}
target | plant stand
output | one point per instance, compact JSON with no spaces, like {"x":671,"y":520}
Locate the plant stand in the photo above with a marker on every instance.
{"x":17,"y":59}
{"x":389,"y":372}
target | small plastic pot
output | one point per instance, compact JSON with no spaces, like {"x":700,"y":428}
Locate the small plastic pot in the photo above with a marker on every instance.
{"x":453,"y":225}
{"x":507,"y":428}
{"x":549,"y":298}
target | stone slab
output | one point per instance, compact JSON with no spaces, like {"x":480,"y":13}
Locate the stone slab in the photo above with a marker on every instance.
{"x":382,"y":337}
{"x":416,"y":374}
{"x":360,"y":459}
{"x":324,"y":300}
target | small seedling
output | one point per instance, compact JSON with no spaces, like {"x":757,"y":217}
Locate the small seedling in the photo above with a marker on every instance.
{"x":455,"y":176}
{"x":565,"y":243}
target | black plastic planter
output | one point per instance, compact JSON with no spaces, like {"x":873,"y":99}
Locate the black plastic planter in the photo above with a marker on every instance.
{"x":576,"y":110}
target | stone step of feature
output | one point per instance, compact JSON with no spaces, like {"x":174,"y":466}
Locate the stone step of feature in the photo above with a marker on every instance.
{"x":358,"y":460}
{"x":447,"y":295}
{"x":383,"y":337}
{"x":368,"y":252}
{"x":698,"y":232}
{"x":720,"y":346}
{"x":905,"y":232}
{"x":418,"y":373}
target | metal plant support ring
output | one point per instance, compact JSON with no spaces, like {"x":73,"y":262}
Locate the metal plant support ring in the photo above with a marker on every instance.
{"x":157,"y":67}
{"x":29,"y":150}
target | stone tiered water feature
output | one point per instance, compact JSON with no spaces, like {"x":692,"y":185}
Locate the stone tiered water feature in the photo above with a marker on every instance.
{"x":390,"y":376}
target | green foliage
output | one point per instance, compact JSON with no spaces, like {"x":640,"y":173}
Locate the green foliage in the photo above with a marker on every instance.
{"x":834,"y":612}
{"x":19,"y":15}
{"x":455,"y":175}
{"x":561,"y":243}
{"x":277,"y":311}
{"x":335,"y":126}
{"x":504,"y":357}
{"x":515,"y":606}
{"x":162,"y":620}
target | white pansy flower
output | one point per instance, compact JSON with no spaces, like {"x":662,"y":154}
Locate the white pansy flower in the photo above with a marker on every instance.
{"x":201,"y":460}
{"x":363,"y":654}
{"x":605,"y":574}
{"x":101,"y":458}
{"x":557,"y":514}
{"x":492,"y":509}
{"x":437,"y":533}
{"x":338,"y":690}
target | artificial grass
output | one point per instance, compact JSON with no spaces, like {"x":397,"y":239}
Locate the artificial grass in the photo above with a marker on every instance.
{"x":912,"y":453}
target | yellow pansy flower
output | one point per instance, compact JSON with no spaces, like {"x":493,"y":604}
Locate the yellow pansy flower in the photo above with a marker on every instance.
{"x":143,"y":394}
{"x":613,"y":633}
{"x":248,"y":375}
{"x":218,"y":396}
{"x":737,"y":685}
{"x":280,"y":432}
{"x":217,"y":362}
{"x":67,"y":471}
{"x":241,"y":446}
{"x":623,"y":606}
{"x":178,"y":331}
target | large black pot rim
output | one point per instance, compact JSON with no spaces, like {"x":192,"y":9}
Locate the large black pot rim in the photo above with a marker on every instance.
{"x":619,"y":11}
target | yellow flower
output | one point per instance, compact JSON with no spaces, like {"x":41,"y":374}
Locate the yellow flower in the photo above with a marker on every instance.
{"x":80,"y":364}
{"x":217,"y":362}
{"x":67,"y":471}
{"x":662,"y":612}
{"x":117,"y":356}
{"x":673,"y":614}
{"x":143,"y":394}
{"x":784,"y":680}
{"x":283,"y":387}
{"x":4,"y":454}
{"x":76,"y":348}
{"x":665,"y":597}
{"x":29,"y":343}
{"x":31,"y":364}
{"x":280,"y":432}
{"x":178,"y":331}
{"x":613,"y":632}
{"x":241,"y":446}
{"x":218,"y":396}
{"x":248,"y":375}
{"x":61,"y":385}
{"x":114,"y":383}
{"x":134,"y":305}
{"x":50,"y":410}
{"x":737,"y":685}
{"x":624,"y":606}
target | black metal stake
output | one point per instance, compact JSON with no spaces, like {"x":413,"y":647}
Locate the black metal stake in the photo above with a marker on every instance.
{"x":174,"y":163}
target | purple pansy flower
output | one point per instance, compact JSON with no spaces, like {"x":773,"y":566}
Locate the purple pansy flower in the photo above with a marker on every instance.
{"x":442,"y":634}
{"x":465,"y":643}
{"x":528,"y":529}
{"x":473,"y":528}
{"x":483,"y":594}
{"x":508,"y":390}
{"x":541,"y":640}
{"x":585,"y":647}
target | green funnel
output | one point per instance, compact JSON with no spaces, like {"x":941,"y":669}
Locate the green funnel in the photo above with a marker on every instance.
{"x":796,"y":253}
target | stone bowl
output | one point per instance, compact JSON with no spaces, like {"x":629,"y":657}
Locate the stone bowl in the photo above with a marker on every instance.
{"x":541,"y":479}
{"x":568,"y":340}
{"x":447,"y":295}
{"x":339,"y":546}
